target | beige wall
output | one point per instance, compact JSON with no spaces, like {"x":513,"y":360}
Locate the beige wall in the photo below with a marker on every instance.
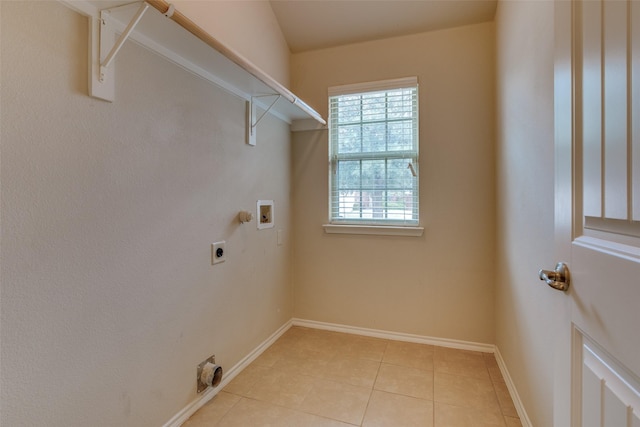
{"x":440,"y":284}
{"x":247,"y":26}
{"x":109,"y":299}
{"x":525,"y":152}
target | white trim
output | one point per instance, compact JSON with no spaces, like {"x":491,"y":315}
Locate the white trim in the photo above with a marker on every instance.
{"x":209,"y":394}
{"x":619,"y":380}
{"x":630,"y":253}
{"x":395,"y":336}
{"x":517,"y":402}
{"x":196,"y":51}
{"x":403,"y":82}
{"x":192,"y":407}
{"x":379,"y":230}
{"x":340,"y":154}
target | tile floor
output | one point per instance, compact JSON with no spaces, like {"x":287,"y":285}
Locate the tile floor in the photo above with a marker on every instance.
{"x":318,"y":378}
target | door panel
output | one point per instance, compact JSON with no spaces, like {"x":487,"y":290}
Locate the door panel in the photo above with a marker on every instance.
{"x":591,"y":392}
{"x":614,"y":114}
{"x":605,"y":61}
{"x":605,"y":304}
{"x":597,"y":212}
{"x":592,"y":109}
{"x":608,"y":400}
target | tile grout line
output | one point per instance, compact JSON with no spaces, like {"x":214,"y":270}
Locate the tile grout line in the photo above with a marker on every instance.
{"x":394,"y":354}
{"x":373,"y":386}
{"x":494,"y":382}
{"x":495,"y":392}
{"x":433,"y":385}
{"x":364,"y":414}
{"x":228,"y":410}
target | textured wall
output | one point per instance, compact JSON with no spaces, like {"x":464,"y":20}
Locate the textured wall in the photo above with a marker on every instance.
{"x":109,"y":299}
{"x":524,"y":305}
{"x":440,"y":284}
{"x":247,"y":26}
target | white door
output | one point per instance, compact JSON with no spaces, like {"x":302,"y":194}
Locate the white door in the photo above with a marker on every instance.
{"x":597,"y":111}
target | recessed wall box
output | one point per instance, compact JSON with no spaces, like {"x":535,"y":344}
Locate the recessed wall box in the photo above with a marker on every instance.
{"x":265,"y":214}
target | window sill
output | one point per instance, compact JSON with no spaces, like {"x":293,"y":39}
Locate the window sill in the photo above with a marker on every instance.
{"x":378,"y":230}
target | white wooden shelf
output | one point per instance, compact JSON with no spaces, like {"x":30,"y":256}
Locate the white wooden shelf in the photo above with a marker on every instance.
{"x":178,"y":39}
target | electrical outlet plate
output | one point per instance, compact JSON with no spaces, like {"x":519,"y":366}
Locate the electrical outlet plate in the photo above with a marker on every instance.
{"x":203,"y":387}
{"x":218,"y":252}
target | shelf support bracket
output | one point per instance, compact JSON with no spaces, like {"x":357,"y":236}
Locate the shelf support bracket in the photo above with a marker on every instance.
{"x":251,"y":115}
{"x":104,"y":65}
{"x":103,"y":49}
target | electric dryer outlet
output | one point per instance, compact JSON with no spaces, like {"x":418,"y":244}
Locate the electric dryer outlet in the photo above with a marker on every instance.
{"x":218,"y":252}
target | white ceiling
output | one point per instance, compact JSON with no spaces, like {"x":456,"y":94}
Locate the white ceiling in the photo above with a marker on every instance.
{"x":316,"y":24}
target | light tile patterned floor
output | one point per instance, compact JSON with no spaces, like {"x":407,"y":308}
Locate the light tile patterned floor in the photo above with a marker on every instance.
{"x":318,"y":378}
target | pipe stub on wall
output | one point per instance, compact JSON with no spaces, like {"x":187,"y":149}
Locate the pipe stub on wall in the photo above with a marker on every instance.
{"x":211,"y":374}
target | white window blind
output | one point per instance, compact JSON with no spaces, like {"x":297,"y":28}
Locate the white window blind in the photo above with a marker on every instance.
{"x":373,"y":153}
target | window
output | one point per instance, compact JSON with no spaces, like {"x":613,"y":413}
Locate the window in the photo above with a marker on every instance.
{"x":373,"y":153}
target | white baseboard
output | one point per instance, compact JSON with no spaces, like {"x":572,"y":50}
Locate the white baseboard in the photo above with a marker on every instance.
{"x":396,"y":336}
{"x":209,"y":394}
{"x":462,"y":345}
{"x":205,"y":397}
{"x":524,"y":418}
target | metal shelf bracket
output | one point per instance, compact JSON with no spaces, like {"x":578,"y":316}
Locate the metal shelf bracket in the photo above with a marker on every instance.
{"x":252,"y":121}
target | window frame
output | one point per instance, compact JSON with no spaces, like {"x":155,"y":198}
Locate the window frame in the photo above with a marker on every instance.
{"x":407,"y":227}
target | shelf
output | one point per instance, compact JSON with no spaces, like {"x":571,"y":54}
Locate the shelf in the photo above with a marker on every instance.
{"x":181,"y":41}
